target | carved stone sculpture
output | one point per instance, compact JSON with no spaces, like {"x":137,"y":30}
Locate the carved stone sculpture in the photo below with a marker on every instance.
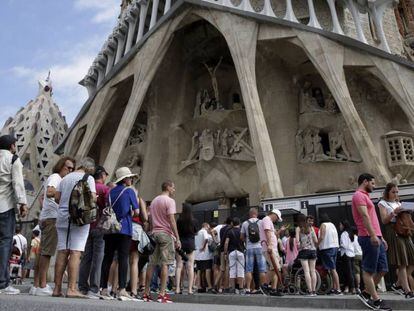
{"x":207,"y":145}
{"x":337,"y":146}
{"x":214,"y":83}
{"x":137,"y":134}
{"x":312,"y":99}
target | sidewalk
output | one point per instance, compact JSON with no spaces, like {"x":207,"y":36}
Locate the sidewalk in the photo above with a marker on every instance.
{"x":346,"y":302}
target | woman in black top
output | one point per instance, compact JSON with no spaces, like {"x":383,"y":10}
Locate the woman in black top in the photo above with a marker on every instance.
{"x":187,"y":229}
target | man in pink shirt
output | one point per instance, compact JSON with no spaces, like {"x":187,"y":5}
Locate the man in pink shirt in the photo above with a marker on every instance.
{"x":374,"y":247}
{"x":268,"y":241}
{"x":165,"y":233}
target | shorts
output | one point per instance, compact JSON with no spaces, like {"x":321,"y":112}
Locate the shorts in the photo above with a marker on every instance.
{"x":134,"y":246}
{"x":328,"y":258}
{"x":236,"y":264}
{"x":48,"y":238}
{"x":76,"y":241}
{"x":255,"y":255}
{"x":307,"y":254}
{"x":203,"y":265}
{"x":224,"y":264}
{"x":164,"y":253}
{"x":216,"y":260}
{"x":188,"y":245}
{"x":374,"y":258}
{"x":269,"y":262}
{"x":357,"y":264}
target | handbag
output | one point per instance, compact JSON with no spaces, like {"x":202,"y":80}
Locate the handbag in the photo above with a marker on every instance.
{"x":146,"y":246}
{"x":108,"y":223}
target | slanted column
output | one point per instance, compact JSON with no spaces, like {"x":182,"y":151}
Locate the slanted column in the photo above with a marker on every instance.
{"x":154,"y":13}
{"x":119,"y":34}
{"x":357,"y":20}
{"x":109,"y":51}
{"x":328,"y":58}
{"x":100,"y":66}
{"x":290,"y":15}
{"x":313,"y":20}
{"x":142,"y":15}
{"x":335,"y":21}
{"x":267,"y":9}
{"x":377,"y":11}
{"x":167,"y":6}
{"x":131,"y":18}
{"x":90,"y":83}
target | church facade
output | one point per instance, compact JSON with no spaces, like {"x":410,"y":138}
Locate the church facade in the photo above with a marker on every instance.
{"x":249,"y":100}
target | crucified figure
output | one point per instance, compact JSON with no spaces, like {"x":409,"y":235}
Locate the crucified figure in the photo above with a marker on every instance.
{"x":214,"y":83}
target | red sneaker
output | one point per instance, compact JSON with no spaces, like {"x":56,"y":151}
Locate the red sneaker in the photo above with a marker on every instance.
{"x":164,"y":299}
{"x":147,"y":298}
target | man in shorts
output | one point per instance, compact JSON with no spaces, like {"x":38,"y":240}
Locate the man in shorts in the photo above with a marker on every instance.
{"x":374,"y":247}
{"x":253,"y":249}
{"x":269,"y":244}
{"x":165,"y":233}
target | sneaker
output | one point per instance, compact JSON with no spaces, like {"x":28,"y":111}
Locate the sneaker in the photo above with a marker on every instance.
{"x":91,"y":295}
{"x":123,"y":295}
{"x":10,"y":290}
{"x":105,"y":295}
{"x":147,"y":298}
{"x":32,"y":290}
{"x":409,"y":296}
{"x":263,"y":290}
{"x":397,"y":289}
{"x":365,"y":299}
{"x":380,"y":305}
{"x":164,"y":299}
{"x":276,"y":293}
{"x":313,"y":294}
{"x":335,"y":292}
{"x":44,"y":292}
{"x":136,"y":298}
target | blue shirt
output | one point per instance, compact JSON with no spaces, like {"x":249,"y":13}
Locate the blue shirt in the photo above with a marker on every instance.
{"x":123,"y":206}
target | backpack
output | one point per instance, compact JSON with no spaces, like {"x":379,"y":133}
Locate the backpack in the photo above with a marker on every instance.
{"x":253,"y":231}
{"x":82,"y":208}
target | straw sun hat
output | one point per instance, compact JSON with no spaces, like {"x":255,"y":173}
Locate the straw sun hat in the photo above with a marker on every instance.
{"x":123,"y":172}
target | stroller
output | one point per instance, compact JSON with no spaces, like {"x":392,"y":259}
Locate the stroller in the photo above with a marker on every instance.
{"x":15,"y":266}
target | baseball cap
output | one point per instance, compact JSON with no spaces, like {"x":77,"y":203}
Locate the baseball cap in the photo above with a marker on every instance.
{"x":6,"y":141}
{"x":98,"y":170}
{"x":278,"y":213}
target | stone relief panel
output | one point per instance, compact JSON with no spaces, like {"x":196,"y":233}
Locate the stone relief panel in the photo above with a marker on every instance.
{"x":312,"y":99}
{"x":314,"y":145}
{"x":228,"y":143}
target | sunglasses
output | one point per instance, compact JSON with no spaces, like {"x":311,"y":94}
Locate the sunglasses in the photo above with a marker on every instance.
{"x":70,"y":168}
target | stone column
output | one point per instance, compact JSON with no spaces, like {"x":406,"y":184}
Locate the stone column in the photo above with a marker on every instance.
{"x":328,"y":58}
{"x":142,"y":15}
{"x":119,"y":34}
{"x":90,"y":85}
{"x":154,"y":13}
{"x":100,"y":66}
{"x":146,"y":64}
{"x":241,"y":37}
{"x":132,"y":19}
{"x":335,"y":21}
{"x":110,"y":54}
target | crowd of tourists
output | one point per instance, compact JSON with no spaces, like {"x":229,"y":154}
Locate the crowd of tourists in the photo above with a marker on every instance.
{"x":132,"y":249}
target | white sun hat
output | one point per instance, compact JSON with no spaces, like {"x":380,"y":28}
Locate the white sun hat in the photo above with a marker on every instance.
{"x":123,"y":172}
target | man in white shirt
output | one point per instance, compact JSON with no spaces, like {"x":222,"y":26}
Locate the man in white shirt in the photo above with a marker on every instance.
{"x":203,"y":257}
{"x":12,"y":193}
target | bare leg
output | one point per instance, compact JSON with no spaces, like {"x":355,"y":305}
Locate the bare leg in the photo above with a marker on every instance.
{"x":403,"y":278}
{"x":60,"y":267}
{"x":370,"y":285}
{"x":73,"y":272}
{"x":164,"y":276}
{"x":190,"y":272}
{"x":240,"y":282}
{"x":249,"y":281}
{"x":178,"y":273}
{"x":410,"y":270}
{"x":148,"y":277}
{"x":335,"y":278}
{"x":208,"y":278}
{"x":44,"y":262}
{"x":133,"y":269}
{"x":36,"y":272}
{"x":306,"y":273}
{"x":312,"y":273}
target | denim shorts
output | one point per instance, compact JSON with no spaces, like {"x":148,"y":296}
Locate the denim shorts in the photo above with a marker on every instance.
{"x":328,"y":258}
{"x":307,"y":254}
{"x":252,"y":255}
{"x":374,"y":258}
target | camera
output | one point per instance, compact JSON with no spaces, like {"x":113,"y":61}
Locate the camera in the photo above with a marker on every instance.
{"x":183,"y":255}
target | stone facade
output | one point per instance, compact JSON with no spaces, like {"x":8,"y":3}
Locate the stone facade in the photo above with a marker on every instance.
{"x":404,"y":13}
{"x":38,"y":127}
{"x":231,"y":107}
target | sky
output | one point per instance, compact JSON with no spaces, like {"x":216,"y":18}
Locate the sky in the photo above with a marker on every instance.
{"x":63,"y":36}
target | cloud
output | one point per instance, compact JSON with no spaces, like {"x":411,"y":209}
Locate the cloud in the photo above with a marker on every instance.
{"x":105,"y":10}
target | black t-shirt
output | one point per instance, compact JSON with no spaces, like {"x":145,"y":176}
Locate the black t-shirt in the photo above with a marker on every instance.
{"x":185,"y":230}
{"x":235,"y":242}
{"x":223,"y":233}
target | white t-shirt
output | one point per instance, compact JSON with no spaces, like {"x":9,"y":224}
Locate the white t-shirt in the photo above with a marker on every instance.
{"x":217,"y":229}
{"x":390,"y":207}
{"x":347,"y":246}
{"x":330,"y":239}
{"x":50,"y":207}
{"x":21,"y":242}
{"x":65,"y":188}
{"x":205,"y":254}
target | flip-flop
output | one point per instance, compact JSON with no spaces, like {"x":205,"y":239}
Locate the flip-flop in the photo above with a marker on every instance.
{"x":58,"y":295}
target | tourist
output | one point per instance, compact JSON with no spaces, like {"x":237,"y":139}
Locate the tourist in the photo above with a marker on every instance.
{"x":187,"y":229}
{"x":135,"y":262}
{"x":124,"y":201}
{"x":165,"y":233}
{"x":204,"y":258}
{"x":250,"y":234}
{"x":47,"y":220}
{"x":400,"y":248}
{"x":347,"y":250}
{"x":12,"y":193}
{"x":328,"y":250}
{"x":269,"y":243}
{"x":374,"y":257}
{"x":357,"y":261}
{"x":311,"y":221}
{"x":306,"y":236}
{"x":21,"y":243}
{"x":33,"y":257}
{"x":222,"y":280}
{"x":71,"y":238}
{"x":91,"y":263}
{"x":233,"y":248}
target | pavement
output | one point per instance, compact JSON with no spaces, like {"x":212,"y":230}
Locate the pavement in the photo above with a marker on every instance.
{"x":198,"y":302}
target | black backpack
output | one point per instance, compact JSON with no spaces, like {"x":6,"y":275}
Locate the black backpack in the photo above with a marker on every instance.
{"x":253,"y":231}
